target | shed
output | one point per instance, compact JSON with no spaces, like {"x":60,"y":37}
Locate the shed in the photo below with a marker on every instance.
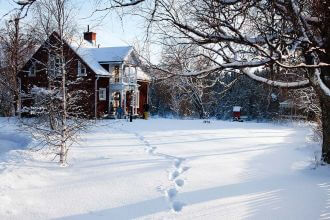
{"x":237,"y":112}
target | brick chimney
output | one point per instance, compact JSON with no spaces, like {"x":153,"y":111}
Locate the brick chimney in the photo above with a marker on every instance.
{"x":90,"y":36}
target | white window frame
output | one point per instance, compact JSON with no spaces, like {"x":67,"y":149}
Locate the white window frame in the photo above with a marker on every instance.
{"x":55,"y":66}
{"x":58,"y":64}
{"x":32,"y":70}
{"x":81,"y":69}
{"x":102,"y":94}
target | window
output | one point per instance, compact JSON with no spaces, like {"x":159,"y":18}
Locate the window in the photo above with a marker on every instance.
{"x":81,"y":69}
{"x":116,"y":73}
{"x":32,"y":70}
{"x":130,"y":74}
{"x":102,"y":93}
{"x":52,"y":66}
{"x":55,"y":66}
{"x":58,"y":64}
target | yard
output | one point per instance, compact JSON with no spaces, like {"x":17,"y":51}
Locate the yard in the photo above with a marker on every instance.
{"x":167,"y":169}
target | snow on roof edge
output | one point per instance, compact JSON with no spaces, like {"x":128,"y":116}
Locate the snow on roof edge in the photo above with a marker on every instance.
{"x":90,"y":61}
{"x":141,"y":75}
{"x":237,"y":108}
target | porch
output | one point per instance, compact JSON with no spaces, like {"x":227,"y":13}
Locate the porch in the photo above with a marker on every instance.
{"x":124,"y":100}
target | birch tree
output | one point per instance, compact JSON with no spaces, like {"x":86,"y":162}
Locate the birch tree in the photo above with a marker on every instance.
{"x":57,"y":103}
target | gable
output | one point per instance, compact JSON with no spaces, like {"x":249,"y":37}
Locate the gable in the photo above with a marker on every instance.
{"x":132,"y":58}
{"x":141,"y":75}
{"x":70,"y":51}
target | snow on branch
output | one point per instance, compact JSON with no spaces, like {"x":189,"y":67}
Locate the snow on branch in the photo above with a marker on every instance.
{"x":218,"y":37}
{"x":293,"y":85}
{"x":119,"y":4}
{"x":229,"y":2}
{"x":232,"y":65}
{"x":303,"y":65}
{"x":25,"y":2}
{"x":324,"y":88}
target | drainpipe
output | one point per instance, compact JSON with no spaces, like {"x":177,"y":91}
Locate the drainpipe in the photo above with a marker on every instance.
{"x":96,"y":93}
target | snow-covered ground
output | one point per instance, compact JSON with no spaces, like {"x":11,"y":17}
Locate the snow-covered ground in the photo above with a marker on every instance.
{"x":167,"y":169}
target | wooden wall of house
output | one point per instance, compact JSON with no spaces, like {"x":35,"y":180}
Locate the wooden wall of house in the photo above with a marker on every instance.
{"x":103,"y":105}
{"x":144,"y":86}
{"x":86,"y":83}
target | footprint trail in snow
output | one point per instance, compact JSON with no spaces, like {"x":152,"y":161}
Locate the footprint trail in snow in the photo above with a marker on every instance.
{"x":174,"y":174}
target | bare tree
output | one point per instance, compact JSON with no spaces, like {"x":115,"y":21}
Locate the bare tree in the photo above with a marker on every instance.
{"x":17,"y":44}
{"x":188,"y":94}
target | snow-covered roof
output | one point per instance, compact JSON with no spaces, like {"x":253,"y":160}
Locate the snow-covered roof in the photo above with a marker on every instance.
{"x":88,"y":57}
{"x":110,"y":54}
{"x":82,"y":48}
{"x":94,"y":56}
{"x":237,"y":108}
{"x":102,"y":54}
{"x":141,"y":75}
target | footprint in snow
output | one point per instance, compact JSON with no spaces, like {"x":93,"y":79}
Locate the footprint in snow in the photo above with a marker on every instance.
{"x":183,"y":169}
{"x":179,"y":182}
{"x":171,"y":193}
{"x":177,"y":206}
{"x":177,"y":163}
{"x":151,"y":150}
{"x":173,"y":175}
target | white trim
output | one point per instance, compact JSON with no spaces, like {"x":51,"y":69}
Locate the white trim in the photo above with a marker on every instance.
{"x":32,"y":70}
{"x":55,"y":66}
{"x":102,"y":94}
{"x":81,"y":69}
{"x":128,"y":54}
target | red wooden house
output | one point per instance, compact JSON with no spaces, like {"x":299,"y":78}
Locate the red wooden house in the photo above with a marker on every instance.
{"x":112,"y":76}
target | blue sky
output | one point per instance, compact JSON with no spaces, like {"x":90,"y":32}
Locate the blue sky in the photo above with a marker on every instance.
{"x":110,"y":32}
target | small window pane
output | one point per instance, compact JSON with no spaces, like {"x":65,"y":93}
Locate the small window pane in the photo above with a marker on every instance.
{"x":102,"y":94}
{"x":81,"y":69}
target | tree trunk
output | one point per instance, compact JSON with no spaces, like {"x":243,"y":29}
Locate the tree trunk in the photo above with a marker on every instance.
{"x":325,"y":99}
{"x":62,"y":154}
{"x":201,"y":114}
{"x":325,"y":107}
